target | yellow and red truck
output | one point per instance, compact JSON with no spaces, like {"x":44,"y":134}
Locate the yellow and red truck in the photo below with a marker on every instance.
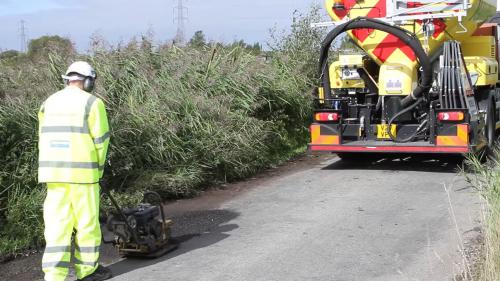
{"x":427,"y":80}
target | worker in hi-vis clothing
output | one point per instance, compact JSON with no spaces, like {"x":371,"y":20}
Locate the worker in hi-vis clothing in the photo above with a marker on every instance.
{"x":73,"y":143}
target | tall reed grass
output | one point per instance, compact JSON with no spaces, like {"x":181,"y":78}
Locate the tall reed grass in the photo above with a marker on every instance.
{"x":181,"y":118}
{"x":486,"y":177}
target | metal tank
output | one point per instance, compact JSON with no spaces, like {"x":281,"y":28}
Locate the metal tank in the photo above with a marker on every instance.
{"x":433,"y":22}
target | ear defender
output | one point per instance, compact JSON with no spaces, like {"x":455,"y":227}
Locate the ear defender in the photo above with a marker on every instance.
{"x":88,"y":84}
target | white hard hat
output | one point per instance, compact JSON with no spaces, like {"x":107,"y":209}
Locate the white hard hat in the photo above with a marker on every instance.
{"x":82,"y":69}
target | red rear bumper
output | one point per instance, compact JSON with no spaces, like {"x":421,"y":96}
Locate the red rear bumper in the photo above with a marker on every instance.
{"x":389,"y":149}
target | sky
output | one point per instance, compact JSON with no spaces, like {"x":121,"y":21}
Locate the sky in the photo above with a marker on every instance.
{"x":120,"y":20}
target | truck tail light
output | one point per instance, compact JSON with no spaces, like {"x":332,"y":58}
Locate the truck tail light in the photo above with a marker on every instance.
{"x":451,"y":116}
{"x":326,"y":116}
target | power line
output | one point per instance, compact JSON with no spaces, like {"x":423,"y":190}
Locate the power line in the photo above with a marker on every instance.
{"x":181,"y":19}
{"x":22,"y":36}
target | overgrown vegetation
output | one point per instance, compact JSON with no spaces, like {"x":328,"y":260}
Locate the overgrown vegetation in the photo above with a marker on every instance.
{"x":181,"y":118}
{"x":303,"y":47}
{"x":199,"y":41}
{"x":486,"y":177}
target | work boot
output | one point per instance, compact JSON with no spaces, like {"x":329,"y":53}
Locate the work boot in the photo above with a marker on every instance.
{"x":101,"y":273}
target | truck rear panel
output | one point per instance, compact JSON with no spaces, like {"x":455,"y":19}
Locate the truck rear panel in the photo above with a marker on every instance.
{"x":450,"y":138}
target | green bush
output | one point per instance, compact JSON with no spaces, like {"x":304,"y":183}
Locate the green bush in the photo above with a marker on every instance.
{"x":181,"y":119}
{"x":302,"y":44}
{"x":56,"y":44}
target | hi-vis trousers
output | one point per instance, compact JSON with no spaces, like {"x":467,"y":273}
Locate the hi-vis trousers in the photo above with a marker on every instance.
{"x":68,"y":207}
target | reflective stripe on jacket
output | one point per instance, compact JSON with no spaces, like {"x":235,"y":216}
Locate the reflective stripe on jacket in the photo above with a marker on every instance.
{"x":74,"y":137}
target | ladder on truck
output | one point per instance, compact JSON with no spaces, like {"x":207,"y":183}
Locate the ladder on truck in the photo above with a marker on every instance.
{"x":401,"y":11}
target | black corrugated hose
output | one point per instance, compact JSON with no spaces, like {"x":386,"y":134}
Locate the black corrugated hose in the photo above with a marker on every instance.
{"x":406,"y":37}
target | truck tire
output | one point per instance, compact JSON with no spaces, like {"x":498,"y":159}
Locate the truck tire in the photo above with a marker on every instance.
{"x":490,"y":129}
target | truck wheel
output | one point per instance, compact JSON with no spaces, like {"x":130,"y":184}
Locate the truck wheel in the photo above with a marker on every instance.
{"x":490,"y":129}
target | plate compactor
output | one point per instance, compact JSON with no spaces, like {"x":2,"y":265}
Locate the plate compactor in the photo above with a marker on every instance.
{"x":143,"y":231}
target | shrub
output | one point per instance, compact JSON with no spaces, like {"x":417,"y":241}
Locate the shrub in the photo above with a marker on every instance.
{"x":181,"y":119}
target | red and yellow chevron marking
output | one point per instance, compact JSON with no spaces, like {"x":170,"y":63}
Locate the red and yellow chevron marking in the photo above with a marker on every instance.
{"x":461,"y":139}
{"x":317,"y":138}
{"x":389,"y":45}
{"x":383,"y":47}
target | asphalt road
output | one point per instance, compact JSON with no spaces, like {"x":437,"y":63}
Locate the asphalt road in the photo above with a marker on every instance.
{"x":315,"y":218}
{"x":327,"y":220}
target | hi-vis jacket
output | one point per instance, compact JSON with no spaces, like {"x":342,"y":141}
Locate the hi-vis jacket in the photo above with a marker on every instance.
{"x":74,"y":137}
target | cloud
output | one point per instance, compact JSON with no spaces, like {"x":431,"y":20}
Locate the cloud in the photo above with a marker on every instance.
{"x":10,"y":7}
